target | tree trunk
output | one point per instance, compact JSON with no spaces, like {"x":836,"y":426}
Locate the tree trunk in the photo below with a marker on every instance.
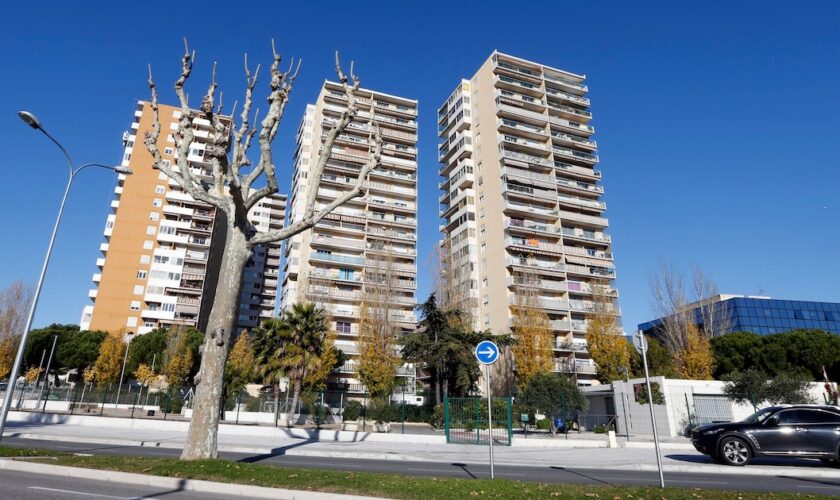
{"x":204,"y":426}
{"x":295,"y":400}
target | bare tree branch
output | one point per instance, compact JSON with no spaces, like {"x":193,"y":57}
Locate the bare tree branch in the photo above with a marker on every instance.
{"x":347,"y":116}
{"x":310,"y":220}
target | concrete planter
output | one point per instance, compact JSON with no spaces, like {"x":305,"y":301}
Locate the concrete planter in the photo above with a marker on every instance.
{"x":381,"y":427}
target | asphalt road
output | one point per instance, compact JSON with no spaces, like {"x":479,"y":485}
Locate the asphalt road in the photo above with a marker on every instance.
{"x":547,"y":474}
{"x":25,"y":486}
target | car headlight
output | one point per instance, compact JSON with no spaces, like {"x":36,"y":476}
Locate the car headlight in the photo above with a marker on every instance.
{"x":712,"y":432}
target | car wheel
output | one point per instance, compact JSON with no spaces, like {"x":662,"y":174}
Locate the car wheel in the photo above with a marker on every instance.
{"x":734,"y":451}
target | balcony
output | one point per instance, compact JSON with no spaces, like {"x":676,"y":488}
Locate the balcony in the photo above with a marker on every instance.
{"x":581,"y":234}
{"x":573,"y":140}
{"x":567,"y":83}
{"x":608,"y":273}
{"x":546,"y":179}
{"x":333,"y":293}
{"x":97,"y":277}
{"x":327,"y":240}
{"x":521,"y":157}
{"x":514,"y":142}
{"x":531,"y":209}
{"x":576,"y":155}
{"x":535,"y":264}
{"x":582,"y":101}
{"x":92,"y":293}
{"x":591,"y":220}
{"x":517,"y":85}
{"x":541,"y":284}
{"x":579,"y":186}
{"x":534,"y":244}
{"x":529,"y":226}
{"x":570,"y":112}
{"x":340,"y":259}
{"x":594,"y":205}
{"x":583,"y":367}
{"x":529,"y":192}
{"x":587,"y":252}
{"x":100,"y":262}
{"x":530,"y":131}
{"x":570,"y":346}
{"x":521,"y":112}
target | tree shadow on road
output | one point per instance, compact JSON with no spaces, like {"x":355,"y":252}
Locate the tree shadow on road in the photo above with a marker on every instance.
{"x":768,"y":461}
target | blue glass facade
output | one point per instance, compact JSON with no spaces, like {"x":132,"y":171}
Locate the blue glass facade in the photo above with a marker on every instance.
{"x":768,"y":316}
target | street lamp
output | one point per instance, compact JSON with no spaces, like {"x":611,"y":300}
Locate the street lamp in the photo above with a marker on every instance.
{"x":33,"y":122}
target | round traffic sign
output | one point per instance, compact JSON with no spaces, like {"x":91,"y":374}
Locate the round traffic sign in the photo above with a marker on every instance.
{"x":486,"y":352}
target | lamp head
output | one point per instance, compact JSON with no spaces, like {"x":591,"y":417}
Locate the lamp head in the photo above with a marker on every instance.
{"x":29,"y":119}
{"x":123,"y":170}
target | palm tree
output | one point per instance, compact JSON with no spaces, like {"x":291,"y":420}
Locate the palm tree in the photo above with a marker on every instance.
{"x":267,"y":349}
{"x":292,"y":345}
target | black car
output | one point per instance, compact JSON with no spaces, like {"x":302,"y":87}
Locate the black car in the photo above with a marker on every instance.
{"x":806,"y":431}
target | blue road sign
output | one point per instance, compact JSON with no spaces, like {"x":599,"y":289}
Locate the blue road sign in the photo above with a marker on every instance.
{"x":486,"y":352}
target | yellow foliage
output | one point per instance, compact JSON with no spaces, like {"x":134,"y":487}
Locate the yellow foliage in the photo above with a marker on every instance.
{"x":109,"y":363}
{"x":32,"y":375}
{"x":240,"y":363}
{"x":8,"y":350}
{"x":533,"y":350}
{"x":378,"y":358}
{"x":316,"y":380}
{"x":696,"y":361}
{"x":89,"y":375}
{"x":607,"y":347}
{"x":179,"y":358}
{"x":145,"y":375}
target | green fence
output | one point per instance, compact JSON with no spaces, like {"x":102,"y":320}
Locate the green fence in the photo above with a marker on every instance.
{"x":465,"y":421}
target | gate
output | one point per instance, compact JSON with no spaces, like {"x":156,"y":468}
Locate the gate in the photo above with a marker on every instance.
{"x":465,"y":421}
{"x":711,"y":408}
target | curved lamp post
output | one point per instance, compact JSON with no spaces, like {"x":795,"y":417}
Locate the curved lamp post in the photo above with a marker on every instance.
{"x":33,"y":122}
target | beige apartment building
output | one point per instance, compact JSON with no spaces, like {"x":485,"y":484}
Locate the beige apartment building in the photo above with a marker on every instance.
{"x":162,"y":248}
{"x":360,"y":260}
{"x":521,"y":203}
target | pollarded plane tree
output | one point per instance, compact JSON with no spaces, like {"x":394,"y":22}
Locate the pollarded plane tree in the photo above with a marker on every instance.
{"x":233,"y":192}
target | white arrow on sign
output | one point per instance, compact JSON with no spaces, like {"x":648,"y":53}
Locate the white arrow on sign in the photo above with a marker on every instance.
{"x":488,"y":351}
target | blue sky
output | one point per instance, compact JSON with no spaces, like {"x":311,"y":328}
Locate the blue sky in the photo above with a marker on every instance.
{"x":717,"y":121}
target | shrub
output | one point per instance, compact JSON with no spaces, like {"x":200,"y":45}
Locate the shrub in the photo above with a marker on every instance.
{"x":381,"y":411}
{"x":352,"y":411}
{"x":544,"y":424}
{"x":436,"y":417}
{"x":600,"y":429}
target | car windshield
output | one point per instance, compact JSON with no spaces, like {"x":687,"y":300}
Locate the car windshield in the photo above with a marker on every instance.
{"x":759,"y":416}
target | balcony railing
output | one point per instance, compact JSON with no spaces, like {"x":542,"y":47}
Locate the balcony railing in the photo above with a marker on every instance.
{"x":526,"y":158}
{"x":341,"y":259}
{"x":598,"y":205}
{"x":584,"y":235}
{"x":580,"y":185}
{"x":551,"y":266}
{"x":527,"y":174}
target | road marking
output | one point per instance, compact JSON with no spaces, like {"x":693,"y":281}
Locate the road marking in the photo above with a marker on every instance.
{"x":428,"y":470}
{"x":81,"y":493}
{"x":821,"y":487}
{"x":508,"y":474}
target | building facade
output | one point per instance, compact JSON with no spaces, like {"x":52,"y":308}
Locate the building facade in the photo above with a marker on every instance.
{"x":521,"y":203}
{"x":162,"y":248}
{"x":762,"y":315}
{"x":360,"y":261}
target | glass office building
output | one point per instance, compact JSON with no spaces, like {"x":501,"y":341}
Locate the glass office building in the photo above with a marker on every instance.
{"x":764,"y":315}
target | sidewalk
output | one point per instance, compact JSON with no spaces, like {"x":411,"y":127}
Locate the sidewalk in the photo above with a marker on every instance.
{"x":676,"y":458}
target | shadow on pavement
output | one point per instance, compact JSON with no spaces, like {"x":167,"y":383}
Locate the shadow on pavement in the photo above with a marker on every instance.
{"x":580,"y":474}
{"x":179,"y":489}
{"x":275,"y":452}
{"x":463,"y":467}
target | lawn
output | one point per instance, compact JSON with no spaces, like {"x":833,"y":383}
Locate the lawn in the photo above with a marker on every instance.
{"x":370,"y":483}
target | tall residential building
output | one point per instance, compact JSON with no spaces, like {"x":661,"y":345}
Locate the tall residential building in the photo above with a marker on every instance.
{"x":159,"y":263}
{"x":362,"y":257}
{"x":521,"y":204}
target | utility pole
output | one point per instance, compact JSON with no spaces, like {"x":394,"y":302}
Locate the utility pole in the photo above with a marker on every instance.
{"x":47,"y":374}
{"x":122,"y":373}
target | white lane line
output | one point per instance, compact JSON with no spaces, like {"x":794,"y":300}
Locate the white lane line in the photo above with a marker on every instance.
{"x":80,"y":493}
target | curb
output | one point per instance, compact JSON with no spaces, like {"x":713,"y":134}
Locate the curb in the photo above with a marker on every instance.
{"x":196,"y":485}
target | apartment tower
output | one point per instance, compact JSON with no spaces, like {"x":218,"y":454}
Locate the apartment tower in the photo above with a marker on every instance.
{"x":521,"y":203}
{"x":362,"y":257}
{"x":162,"y":248}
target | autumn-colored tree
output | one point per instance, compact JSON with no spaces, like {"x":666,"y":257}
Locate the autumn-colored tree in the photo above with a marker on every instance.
{"x":316,"y":379}
{"x":533,"y":351}
{"x":178,"y":358}
{"x":696,"y":360}
{"x":239,"y":369}
{"x":607,"y":346}
{"x":145,"y":375}
{"x":32,"y":374}
{"x":89,"y":375}
{"x":8,"y":350}
{"x":379,"y":354}
{"x":109,"y":363}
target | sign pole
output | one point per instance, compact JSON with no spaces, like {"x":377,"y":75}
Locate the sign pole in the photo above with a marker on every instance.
{"x":643,"y":348}
{"x":487,"y":352}
{"x":490,"y":419}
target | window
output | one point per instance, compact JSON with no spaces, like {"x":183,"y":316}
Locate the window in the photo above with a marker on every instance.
{"x":150,"y":230}
{"x":141,"y":275}
{"x":166,"y":163}
{"x":131,"y":322}
{"x":157,"y":203}
{"x":138,"y":289}
{"x":149,"y":324}
{"x":169,"y":307}
{"x":342,"y":326}
{"x":154,"y":216}
{"x":160,"y":189}
{"x":135,"y":305}
{"x":144,"y":259}
{"x":167,"y":151}
{"x":147,"y":244}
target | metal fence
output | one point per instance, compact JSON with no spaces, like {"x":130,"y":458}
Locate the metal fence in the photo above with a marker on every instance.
{"x":465,"y":421}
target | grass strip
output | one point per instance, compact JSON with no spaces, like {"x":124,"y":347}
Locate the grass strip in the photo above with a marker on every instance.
{"x":374,"y":483}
